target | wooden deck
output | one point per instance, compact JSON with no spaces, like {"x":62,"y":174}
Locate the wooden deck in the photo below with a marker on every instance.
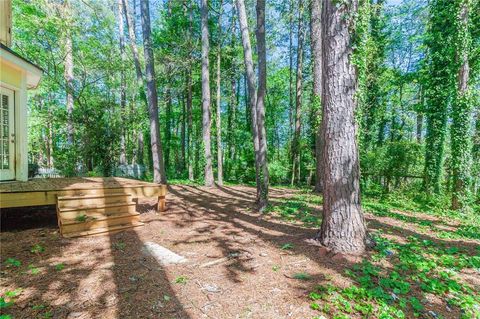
{"x":40,"y":192}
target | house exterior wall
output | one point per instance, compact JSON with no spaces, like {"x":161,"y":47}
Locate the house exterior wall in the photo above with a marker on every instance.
{"x":10,"y":75}
{"x":16,"y":80}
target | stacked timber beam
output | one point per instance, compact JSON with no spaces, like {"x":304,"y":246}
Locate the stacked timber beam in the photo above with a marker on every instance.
{"x":83,"y":215}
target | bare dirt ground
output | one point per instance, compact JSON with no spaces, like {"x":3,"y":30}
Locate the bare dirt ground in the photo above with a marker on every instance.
{"x":236,"y":265}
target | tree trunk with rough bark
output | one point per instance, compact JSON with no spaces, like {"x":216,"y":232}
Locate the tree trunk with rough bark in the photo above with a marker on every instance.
{"x":183,"y":135}
{"x":123,"y":83}
{"x":206,"y":114}
{"x":290,"y":73}
{"x":232,"y":113}
{"x":189,"y":126}
{"x":50,"y":143}
{"x":68,"y":74}
{"x":316,"y":40}
{"x":218,"y":121}
{"x":298,"y":99}
{"x":168,"y":121}
{"x":152,"y":98}
{"x":419,"y":127}
{"x":262,"y":198}
{"x":343,"y":228}
{"x":251,"y":85}
{"x":462,"y":118}
{"x":190,"y":132}
{"x":476,"y":155}
{"x":132,"y":42}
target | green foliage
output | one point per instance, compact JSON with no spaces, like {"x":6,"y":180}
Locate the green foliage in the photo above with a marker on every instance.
{"x":287,"y":246}
{"x":440,"y":84}
{"x":81,"y":218}
{"x":181,"y":280}
{"x":302,"y":276}
{"x":59,"y":267}
{"x":33,"y":270}
{"x":300,"y":208}
{"x":7,"y":300}
{"x":461,"y":133}
{"x":4,"y":304}
{"x":12,"y":262}
{"x":422,"y":263}
{"x":119,"y":245}
{"x":37,"y":249}
{"x":394,"y":161}
{"x":38,"y":307}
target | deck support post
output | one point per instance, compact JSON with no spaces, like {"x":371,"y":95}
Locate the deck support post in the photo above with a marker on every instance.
{"x":161,"y":204}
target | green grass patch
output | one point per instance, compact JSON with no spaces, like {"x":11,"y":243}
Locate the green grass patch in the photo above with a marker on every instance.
{"x":181,"y":280}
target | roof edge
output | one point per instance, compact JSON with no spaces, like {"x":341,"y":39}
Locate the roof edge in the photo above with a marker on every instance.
{"x":4,"y":47}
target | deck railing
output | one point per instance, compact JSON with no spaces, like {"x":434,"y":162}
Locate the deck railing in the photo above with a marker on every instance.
{"x":134,"y":171}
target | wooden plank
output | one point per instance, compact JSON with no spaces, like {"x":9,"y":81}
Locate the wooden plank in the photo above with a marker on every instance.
{"x":107,"y":210}
{"x":84,"y":202}
{"x":40,"y":198}
{"x":91,"y":196}
{"x":97,"y":217}
{"x":55,"y":184}
{"x":95,"y":224}
{"x":102,"y":231}
{"x":162,"y":205}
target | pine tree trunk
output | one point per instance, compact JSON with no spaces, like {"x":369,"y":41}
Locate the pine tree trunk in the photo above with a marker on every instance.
{"x":206,"y":113}
{"x":262,"y":197}
{"x":440,"y":85}
{"x":50,"y":141}
{"x":218,"y":121}
{"x":141,"y":145}
{"x":68,"y":74}
{"x":462,"y":120}
{"x":232,"y":125}
{"x":419,"y":127}
{"x":290,"y":69}
{"x":298,"y":99}
{"x":476,"y":155}
{"x":183,"y":135}
{"x":132,"y":41}
{"x":343,"y":226}
{"x":168,"y":120}
{"x":316,"y":40}
{"x":123,"y":83}
{"x":190,"y":126}
{"x":190,"y":134}
{"x":155,"y":140}
{"x":251,"y":85}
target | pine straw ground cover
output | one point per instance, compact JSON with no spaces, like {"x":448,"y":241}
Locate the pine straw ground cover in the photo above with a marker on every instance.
{"x":412,"y":267}
{"x":241,"y":265}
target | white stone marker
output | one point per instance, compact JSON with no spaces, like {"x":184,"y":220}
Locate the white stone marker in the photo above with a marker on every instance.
{"x":163,"y":255}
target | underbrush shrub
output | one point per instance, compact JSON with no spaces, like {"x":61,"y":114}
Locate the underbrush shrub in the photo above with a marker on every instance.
{"x":393,"y":164}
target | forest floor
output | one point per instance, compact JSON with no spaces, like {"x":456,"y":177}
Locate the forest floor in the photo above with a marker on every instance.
{"x":241,"y":264}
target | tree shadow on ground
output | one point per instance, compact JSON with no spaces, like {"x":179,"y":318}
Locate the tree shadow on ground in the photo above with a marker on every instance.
{"x":57,"y":277}
{"x":143,"y":287}
{"x":218,"y":209}
{"x":105,"y":276}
